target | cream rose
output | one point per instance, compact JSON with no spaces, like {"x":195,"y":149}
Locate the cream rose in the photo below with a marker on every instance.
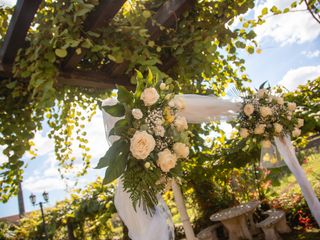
{"x":280,"y":100}
{"x":248,"y":109}
{"x":159,"y":131}
{"x":265,"y":111}
{"x":180,"y":123}
{"x":163,"y":86}
{"x":266,"y":144}
{"x":142,"y":144}
{"x":259,"y":129}
{"x":296,"y":132}
{"x":181,"y":150}
{"x":137,"y":113}
{"x":244,"y":132}
{"x":292,"y":106}
{"x":300,"y":123}
{"x":149,"y":96}
{"x":278,"y":127}
{"x":261,"y":93}
{"x":166,"y":160}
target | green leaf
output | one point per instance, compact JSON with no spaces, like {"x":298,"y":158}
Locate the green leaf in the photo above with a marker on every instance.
{"x":149,"y":77}
{"x":294,"y":4}
{"x":250,"y":49}
{"x":264,"y":11}
{"x":116,"y":166}
{"x":146,"y":14}
{"x":61,"y":52}
{"x":124,"y":96}
{"x":117,"y":110}
{"x":116,"y":148}
{"x":263,"y":84}
{"x":120,"y":127}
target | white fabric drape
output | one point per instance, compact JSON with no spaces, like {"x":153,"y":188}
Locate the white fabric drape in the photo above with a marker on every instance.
{"x":142,"y":226}
{"x":286,"y":149}
{"x":200,"y":109}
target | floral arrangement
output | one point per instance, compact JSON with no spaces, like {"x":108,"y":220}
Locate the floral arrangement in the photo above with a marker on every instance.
{"x":153,"y":139}
{"x":264,"y":116}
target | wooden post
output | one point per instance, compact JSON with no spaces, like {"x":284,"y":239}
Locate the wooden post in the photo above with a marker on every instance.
{"x":183,"y":211}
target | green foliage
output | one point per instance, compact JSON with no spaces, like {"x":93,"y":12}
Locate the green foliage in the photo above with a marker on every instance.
{"x":88,"y":214}
{"x":307,"y":96}
{"x":197,"y":42}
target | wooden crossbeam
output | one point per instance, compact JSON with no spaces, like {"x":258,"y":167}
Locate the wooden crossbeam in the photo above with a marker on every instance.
{"x":99,"y":17}
{"x":15,"y":37}
{"x":99,"y":80}
{"x":168,"y":16}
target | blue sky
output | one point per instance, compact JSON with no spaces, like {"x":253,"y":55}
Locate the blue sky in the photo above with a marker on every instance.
{"x":290,"y":55}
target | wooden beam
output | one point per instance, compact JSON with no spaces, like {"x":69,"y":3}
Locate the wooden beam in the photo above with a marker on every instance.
{"x":99,"y":17}
{"x":19,"y":25}
{"x":98,"y":80}
{"x":167,"y":16}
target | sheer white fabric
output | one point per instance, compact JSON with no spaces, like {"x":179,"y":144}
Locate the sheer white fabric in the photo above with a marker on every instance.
{"x":286,"y":150}
{"x":199,"y":108}
{"x":141,"y":226}
{"x":271,"y":158}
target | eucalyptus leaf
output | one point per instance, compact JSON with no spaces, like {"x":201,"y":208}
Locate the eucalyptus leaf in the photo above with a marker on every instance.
{"x":124,"y":96}
{"x":120,"y":146}
{"x":116,"y":166}
{"x":117,"y":110}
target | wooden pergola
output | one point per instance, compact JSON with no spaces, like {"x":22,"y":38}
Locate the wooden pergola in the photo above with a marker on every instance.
{"x":69,"y":74}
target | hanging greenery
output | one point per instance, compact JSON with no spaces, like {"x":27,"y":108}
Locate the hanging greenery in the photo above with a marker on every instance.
{"x":202,"y":45}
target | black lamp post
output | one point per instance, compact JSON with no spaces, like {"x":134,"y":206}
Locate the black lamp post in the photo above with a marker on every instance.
{"x":45,"y":196}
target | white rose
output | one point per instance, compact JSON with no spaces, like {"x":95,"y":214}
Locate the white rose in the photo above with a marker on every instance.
{"x":137,"y":113}
{"x":280,"y":100}
{"x":278,"y":127}
{"x":180,"y":123}
{"x":259,"y":129}
{"x":292,"y":106}
{"x":265,"y":111}
{"x":296,"y":132}
{"x":244,"y":132}
{"x":266,"y":144}
{"x":181,"y":150}
{"x":159,"y":130}
{"x":300,"y":123}
{"x":166,"y":160}
{"x":261,"y":93}
{"x":248,"y":109}
{"x":163,"y":86}
{"x":142,"y":144}
{"x":149,"y":96}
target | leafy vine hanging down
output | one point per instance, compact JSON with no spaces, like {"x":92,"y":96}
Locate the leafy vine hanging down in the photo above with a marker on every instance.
{"x":202,"y":45}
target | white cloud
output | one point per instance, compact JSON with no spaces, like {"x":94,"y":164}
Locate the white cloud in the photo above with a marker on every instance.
{"x":299,"y":76}
{"x":311,"y":54}
{"x":8,"y":2}
{"x":293,"y":27}
{"x":37,"y":184}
